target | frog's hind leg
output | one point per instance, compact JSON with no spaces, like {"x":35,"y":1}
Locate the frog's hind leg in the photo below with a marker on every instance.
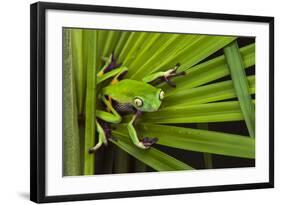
{"x":117,"y":74}
{"x":110,"y":64}
{"x":103,"y":129}
{"x":111,"y":69}
{"x":102,"y":137}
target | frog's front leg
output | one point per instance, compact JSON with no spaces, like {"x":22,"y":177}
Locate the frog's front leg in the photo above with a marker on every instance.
{"x":145,"y":143}
{"x":165,"y":76}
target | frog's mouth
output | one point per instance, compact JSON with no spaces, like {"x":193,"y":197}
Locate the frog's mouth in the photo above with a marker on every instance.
{"x":157,"y":107}
{"x":151,"y":108}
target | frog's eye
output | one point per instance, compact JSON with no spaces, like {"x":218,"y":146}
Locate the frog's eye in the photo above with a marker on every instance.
{"x":138,"y":102}
{"x":161,"y":95}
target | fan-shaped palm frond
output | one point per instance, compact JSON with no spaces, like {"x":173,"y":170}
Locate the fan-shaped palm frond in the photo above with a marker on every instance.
{"x":215,"y":89}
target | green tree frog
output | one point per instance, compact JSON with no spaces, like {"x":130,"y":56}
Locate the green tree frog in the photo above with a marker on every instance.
{"x":124,"y":96}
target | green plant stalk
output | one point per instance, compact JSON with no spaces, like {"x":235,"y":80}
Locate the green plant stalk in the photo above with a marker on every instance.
{"x":240,"y":82}
{"x":90,"y":36}
{"x":196,"y":140}
{"x":108,"y":159}
{"x":71,"y":147}
{"x":152,"y":157}
{"x":82,"y":145}
{"x":77,"y":59}
{"x":207,"y":156}
{"x":139,"y":166}
{"x":208,"y":160}
{"x":121,"y":161}
{"x":101,"y":44}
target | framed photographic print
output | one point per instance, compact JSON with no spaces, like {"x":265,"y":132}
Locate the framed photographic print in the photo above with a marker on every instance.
{"x":129,"y":102}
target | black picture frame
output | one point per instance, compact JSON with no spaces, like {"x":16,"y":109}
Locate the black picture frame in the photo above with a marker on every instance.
{"x":38,"y":100}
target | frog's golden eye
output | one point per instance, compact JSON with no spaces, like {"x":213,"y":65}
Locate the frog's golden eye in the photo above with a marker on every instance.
{"x":138,"y":102}
{"x":161,"y":95}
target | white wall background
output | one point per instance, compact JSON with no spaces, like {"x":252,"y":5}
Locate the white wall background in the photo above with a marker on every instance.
{"x":14,"y":101}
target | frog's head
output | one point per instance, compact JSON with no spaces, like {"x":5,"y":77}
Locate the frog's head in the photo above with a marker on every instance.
{"x":149,"y":101}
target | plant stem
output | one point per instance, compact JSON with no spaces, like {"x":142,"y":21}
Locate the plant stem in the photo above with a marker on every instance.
{"x":71,"y":149}
{"x":139,"y":166}
{"x":207,"y":156}
{"x":108,"y":159}
{"x":90,"y":46}
{"x":77,"y":58}
{"x":121,"y":161}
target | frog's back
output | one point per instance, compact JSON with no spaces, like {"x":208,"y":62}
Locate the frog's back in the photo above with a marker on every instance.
{"x":125,"y":90}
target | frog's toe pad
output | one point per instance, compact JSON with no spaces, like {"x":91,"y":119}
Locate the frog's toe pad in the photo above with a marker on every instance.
{"x":171,"y":73}
{"x":148,"y":142}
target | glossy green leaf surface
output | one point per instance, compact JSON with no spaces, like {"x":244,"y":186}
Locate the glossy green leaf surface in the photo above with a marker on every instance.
{"x":90,"y":48}
{"x":209,"y":112}
{"x":241,"y":85}
{"x":211,"y":70}
{"x":197,"y":140}
{"x":154,"y":158}
{"x":71,"y":154}
{"x":214,"y":91}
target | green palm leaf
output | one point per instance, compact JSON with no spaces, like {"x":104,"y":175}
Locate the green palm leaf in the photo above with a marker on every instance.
{"x":174,"y":51}
{"x":211,"y":70}
{"x":71,"y":155}
{"x":90,"y":38}
{"x":210,"y":112}
{"x":110,"y":43}
{"x":121,"y":42}
{"x":80,"y":74}
{"x":144,"y":53}
{"x":203,"y":94}
{"x":241,"y":85}
{"x":154,"y":158}
{"x":154,"y":54}
{"x":197,"y":140}
{"x":196,"y":99}
{"x":206,"y":156}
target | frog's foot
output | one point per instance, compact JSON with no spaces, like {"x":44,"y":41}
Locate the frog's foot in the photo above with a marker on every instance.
{"x":170,"y":74}
{"x":148,"y":142}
